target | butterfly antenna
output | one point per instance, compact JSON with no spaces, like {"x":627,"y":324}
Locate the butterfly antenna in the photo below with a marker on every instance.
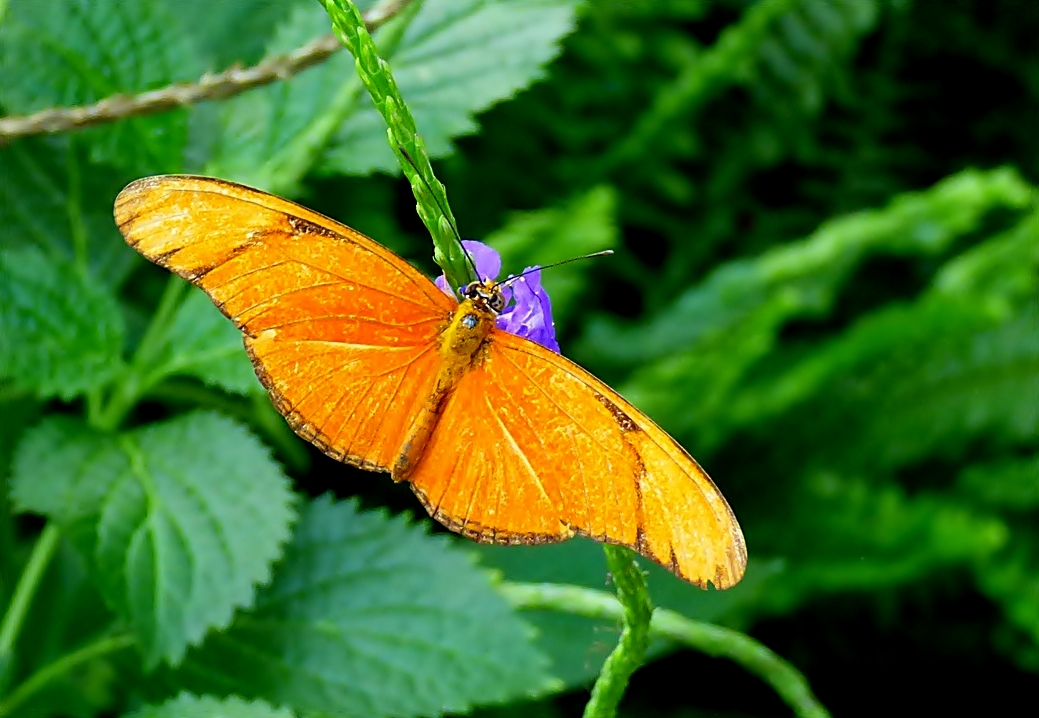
{"x":450,"y":220}
{"x":603,"y":253}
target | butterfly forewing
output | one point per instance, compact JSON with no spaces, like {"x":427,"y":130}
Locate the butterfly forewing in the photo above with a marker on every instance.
{"x":339,"y":328}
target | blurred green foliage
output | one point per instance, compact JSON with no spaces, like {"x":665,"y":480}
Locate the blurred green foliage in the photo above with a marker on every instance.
{"x":826,"y":286}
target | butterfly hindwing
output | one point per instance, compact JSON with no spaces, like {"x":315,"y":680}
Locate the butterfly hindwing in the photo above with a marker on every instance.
{"x":550,"y":451}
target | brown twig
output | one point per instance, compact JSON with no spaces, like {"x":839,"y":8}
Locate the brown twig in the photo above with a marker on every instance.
{"x":228,"y":83}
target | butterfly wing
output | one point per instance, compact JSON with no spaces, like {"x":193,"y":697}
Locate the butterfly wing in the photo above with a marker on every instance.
{"x":342,"y":332}
{"x":531,"y":448}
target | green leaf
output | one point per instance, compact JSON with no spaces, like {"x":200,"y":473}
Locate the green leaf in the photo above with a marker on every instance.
{"x":582,"y":225}
{"x":456,"y":58}
{"x":1010,"y":483}
{"x":203,"y":343}
{"x":270,"y":137}
{"x":802,"y":278}
{"x":799,"y":59}
{"x":693,"y":357}
{"x":232,"y":31}
{"x":787,"y":53}
{"x":61,"y":333}
{"x":1012,"y":580}
{"x":188,"y":706}
{"x":577,"y":645}
{"x":179,"y":520}
{"x":368,"y":615}
{"x":843,"y":533}
{"x":908,"y":381}
{"x":46,"y":202}
{"x":1002,"y":272}
{"x":904,"y":379}
{"x":77,"y":52}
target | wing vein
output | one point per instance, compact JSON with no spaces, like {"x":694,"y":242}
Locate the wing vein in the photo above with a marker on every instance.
{"x":533,"y":430}
{"x":519,"y":450}
{"x":352,"y":317}
{"x":649,"y":435}
{"x":250,"y":197}
{"x":559,"y":406}
{"x":377,"y":290}
{"x":263,"y":303}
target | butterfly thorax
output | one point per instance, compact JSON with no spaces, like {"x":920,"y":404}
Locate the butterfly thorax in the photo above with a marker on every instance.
{"x":460,"y":345}
{"x":461,"y":340}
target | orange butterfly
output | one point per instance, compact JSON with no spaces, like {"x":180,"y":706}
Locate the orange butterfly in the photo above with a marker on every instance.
{"x":502,"y":440}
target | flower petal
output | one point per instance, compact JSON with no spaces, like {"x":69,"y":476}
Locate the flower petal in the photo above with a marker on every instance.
{"x":486,"y":259}
{"x":441,"y":282}
{"x":531,"y":314}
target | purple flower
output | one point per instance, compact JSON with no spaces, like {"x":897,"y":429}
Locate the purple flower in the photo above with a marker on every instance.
{"x":528,"y":311}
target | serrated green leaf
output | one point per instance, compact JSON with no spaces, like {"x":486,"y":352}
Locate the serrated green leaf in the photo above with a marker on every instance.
{"x":1001,"y":272}
{"x":61,"y":333}
{"x":370,"y":616}
{"x":1011,"y":483}
{"x":188,"y":706}
{"x":203,"y":343}
{"x":907,"y":376}
{"x":1013,"y":581}
{"x":694,"y":356}
{"x":47,"y":202}
{"x":801,"y":278}
{"x":270,"y":137}
{"x":179,"y":520}
{"x":456,"y":58}
{"x":231,"y":31}
{"x":907,"y":381}
{"x":841,"y":533}
{"x":577,"y":646}
{"x":77,"y":52}
{"x":582,"y":225}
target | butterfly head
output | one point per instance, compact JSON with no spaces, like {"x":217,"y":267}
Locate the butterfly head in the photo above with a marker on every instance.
{"x":485,"y":295}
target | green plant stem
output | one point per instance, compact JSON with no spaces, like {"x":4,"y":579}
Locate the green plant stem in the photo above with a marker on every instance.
{"x":630,"y":653}
{"x":756,"y":658}
{"x":61,"y":666}
{"x":21,"y":599}
{"x":430,"y":195}
{"x":707,"y":638}
{"x":137,"y":379}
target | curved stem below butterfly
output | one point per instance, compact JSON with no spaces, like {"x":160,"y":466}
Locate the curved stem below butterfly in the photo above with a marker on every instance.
{"x":630,"y":652}
{"x":707,"y":638}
